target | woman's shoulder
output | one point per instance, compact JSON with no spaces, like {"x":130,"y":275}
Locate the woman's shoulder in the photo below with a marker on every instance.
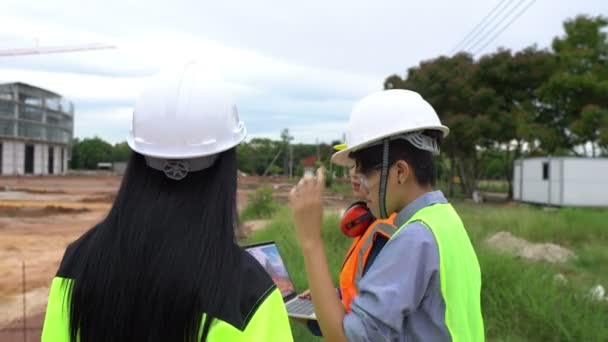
{"x":74,"y":254}
{"x":254,"y":288}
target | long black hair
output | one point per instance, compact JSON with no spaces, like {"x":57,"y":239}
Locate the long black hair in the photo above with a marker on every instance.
{"x":162,"y":261}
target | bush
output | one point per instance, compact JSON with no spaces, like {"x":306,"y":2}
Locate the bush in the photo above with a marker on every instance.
{"x":329,"y":179}
{"x":339,"y":187}
{"x":260,"y":204}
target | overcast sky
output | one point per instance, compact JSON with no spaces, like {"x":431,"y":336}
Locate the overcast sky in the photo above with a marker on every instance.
{"x":292,"y":65}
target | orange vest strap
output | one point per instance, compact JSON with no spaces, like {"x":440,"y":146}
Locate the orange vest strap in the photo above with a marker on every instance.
{"x":358,"y":253}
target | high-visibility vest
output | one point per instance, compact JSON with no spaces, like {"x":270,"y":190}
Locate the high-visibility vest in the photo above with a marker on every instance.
{"x":460,"y":275}
{"x":358,"y":254}
{"x":262,"y":312}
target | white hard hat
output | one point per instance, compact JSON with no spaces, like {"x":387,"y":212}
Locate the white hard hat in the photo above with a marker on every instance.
{"x":386,"y":114}
{"x":182,"y":116}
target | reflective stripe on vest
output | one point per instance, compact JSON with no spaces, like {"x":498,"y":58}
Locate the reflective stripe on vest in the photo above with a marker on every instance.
{"x":356,"y":258}
{"x":460,"y":275}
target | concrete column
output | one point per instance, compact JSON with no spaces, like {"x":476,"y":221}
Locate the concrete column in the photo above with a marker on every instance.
{"x":19,"y":158}
{"x":2,"y":158}
{"x":44,"y":128}
{"x":16,"y":108}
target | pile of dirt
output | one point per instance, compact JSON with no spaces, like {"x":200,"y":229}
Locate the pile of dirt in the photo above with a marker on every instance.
{"x":10,"y":211}
{"x":107,"y":198}
{"x":33,"y":191}
{"x":508,"y":243}
{"x":245,"y":229}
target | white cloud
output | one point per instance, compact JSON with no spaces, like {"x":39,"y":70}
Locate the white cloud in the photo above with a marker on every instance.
{"x":272,"y":94}
{"x":297,"y":65}
{"x":80,"y":87}
{"x":115,"y":120}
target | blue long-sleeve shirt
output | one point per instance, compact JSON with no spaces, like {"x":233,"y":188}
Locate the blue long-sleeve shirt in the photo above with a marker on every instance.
{"x":399,"y":298}
{"x":399,"y":294}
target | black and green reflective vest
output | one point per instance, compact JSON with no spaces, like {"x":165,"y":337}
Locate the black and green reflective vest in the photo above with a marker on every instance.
{"x":258,"y":314}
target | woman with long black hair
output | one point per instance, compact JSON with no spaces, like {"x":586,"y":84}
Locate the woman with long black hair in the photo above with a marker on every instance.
{"x":164,"y":265}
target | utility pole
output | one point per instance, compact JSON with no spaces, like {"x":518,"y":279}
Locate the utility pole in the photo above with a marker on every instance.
{"x":290,"y":160}
{"x":272,"y":163}
{"x":286,"y":139}
{"x":345,"y":171}
{"x":24,"y":302}
{"x":318,"y":151}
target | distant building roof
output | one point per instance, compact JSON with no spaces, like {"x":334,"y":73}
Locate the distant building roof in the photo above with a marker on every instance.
{"x":309,"y":162}
{"x":42,"y":91}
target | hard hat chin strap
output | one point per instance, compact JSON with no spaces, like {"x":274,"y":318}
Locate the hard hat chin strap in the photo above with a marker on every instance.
{"x":384,"y":179}
{"x":178,"y":169}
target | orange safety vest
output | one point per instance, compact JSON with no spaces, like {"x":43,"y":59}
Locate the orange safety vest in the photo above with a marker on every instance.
{"x":356,"y":258}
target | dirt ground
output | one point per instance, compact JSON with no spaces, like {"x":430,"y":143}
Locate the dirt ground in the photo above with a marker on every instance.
{"x":40,"y":216}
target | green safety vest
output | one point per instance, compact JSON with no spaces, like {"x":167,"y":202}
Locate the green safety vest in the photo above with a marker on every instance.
{"x":459,"y":271}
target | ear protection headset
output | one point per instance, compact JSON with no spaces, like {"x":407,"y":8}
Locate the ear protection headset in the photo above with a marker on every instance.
{"x":356,"y":219}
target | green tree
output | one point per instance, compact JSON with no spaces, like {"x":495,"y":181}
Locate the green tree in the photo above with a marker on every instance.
{"x":121,"y":152}
{"x":534,"y":101}
{"x":515,"y":79}
{"x":86,"y":154}
{"x":575,"y":96}
{"x":256,"y":156}
{"x":449,"y":85}
{"x":75,"y":160}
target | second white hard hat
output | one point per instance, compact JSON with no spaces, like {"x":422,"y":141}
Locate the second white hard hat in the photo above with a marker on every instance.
{"x":386,"y":114}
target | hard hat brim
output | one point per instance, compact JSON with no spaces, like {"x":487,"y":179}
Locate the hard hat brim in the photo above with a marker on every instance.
{"x":180,"y":152}
{"x":341,"y":157}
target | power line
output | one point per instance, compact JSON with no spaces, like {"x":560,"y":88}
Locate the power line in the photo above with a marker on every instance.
{"x":505,"y":27}
{"x":483,"y":32}
{"x":473,"y":32}
{"x":466,"y":38}
{"x":492,"y":30}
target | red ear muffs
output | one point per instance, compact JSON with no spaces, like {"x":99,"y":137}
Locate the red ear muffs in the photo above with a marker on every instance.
{"x":356,"y":219}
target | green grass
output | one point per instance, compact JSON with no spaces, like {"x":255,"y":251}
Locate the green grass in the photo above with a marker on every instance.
{"x":340,"y":187}
{"x":585,"y":231}
{"x":281,"y":230}
{"x":493,"y":185}
{"x":520,"y":302}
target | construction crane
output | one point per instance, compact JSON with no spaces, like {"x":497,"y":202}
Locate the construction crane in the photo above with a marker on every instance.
{"x":53,"y":49}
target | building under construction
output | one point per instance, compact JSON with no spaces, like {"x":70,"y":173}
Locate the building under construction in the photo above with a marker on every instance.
{"x":36,"y":128}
